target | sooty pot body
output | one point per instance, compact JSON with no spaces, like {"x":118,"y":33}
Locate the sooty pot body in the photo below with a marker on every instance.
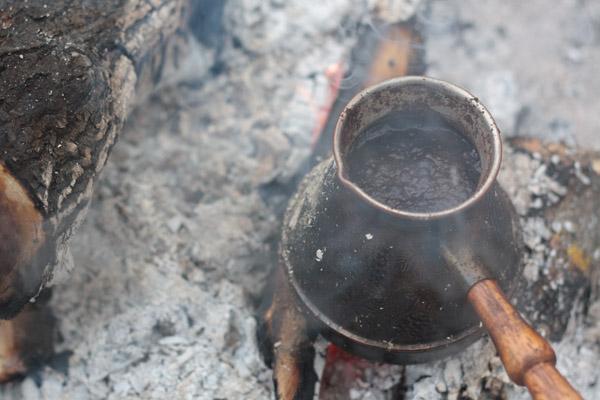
{"x":377,"y":285}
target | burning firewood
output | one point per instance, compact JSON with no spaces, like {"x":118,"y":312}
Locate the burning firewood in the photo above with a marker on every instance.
{"x":70,"y":71}
{"x":287,"y":344}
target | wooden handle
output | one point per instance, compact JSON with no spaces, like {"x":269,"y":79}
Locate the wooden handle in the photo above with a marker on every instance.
{"x":546,"y":383}
{"x":528,"y":358}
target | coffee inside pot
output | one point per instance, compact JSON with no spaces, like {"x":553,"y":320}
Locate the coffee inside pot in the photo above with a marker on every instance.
{"x":415,"y":161}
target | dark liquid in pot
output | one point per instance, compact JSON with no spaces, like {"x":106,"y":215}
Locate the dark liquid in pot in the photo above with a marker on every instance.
{"x":414,"y":168}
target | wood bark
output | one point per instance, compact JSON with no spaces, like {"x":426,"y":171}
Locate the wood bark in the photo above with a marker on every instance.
{"x":69,"y":70}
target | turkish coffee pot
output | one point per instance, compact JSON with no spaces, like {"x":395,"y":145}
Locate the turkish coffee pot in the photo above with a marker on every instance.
{"x":413,"y":285}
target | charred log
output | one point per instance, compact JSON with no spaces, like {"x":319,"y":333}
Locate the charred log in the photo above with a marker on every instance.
{"x":69,"y":74}
{"x":27,"y":340}
{"x":285,"y":338}
{"x":70,"y":71}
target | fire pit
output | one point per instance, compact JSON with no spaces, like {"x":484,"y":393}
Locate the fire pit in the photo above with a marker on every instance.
{"x":223,"y":102}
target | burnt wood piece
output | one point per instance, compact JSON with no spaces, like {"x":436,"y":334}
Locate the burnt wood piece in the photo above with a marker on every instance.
{"x":285,"y":339}
{"x":27,"y":340}
{"x":70,"y":71}
{"x":568,"y":285}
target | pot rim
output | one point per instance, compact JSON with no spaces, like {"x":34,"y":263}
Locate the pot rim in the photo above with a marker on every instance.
{"x":438,"y":84}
